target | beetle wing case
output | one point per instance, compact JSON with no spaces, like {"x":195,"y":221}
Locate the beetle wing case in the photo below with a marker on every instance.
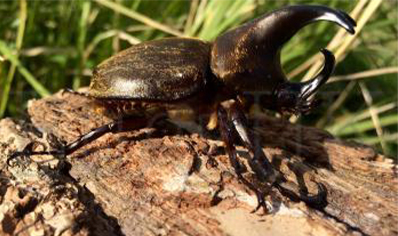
{"x":160,"y":70}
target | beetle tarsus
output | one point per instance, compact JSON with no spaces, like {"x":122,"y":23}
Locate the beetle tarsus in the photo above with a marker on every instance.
{"x":318,"y":201}
{"x":260,"y":202}
{"x":28,"y":151}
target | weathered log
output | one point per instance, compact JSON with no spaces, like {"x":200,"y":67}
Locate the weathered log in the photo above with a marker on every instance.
{"x":159,"y":181}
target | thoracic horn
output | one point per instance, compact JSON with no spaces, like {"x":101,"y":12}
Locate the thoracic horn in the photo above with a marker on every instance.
{"x":247,"y":58}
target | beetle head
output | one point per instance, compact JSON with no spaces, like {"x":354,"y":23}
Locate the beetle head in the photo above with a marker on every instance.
{"x":297,"y":98}
{"x":247,"y":59}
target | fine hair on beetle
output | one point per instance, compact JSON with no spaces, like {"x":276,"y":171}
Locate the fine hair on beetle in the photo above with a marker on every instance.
{"x":187,"y":79}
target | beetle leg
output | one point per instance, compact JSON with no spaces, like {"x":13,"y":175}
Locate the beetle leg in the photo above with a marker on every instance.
{"x":227,"y":131}
{"x":124,"y":124}
{"x":318,"y":201}
{"x":259,"y":162}
{"x":227,"y":136}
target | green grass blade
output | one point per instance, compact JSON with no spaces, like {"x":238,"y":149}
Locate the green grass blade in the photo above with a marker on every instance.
{"x":389,"y":138}
{"x":348,"y":119}
{"x":139,"y":17}
{"x":81,"y":42}
{"x":21,"y":30}
{"x":366,"y":125}
{"x":219,"y":16}
{"x":37,"y":86}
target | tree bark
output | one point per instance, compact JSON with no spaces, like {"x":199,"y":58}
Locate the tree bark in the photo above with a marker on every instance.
{"x":165,"y":181}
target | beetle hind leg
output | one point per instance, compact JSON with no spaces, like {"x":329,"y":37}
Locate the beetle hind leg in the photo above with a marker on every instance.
{"x":26,"y":152}
{"x":121,"y":125}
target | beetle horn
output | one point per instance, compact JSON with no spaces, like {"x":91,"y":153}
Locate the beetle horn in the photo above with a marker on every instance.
{"x":277,"y":27}
{"x":310,"y":87}
{"x":242,"y":57}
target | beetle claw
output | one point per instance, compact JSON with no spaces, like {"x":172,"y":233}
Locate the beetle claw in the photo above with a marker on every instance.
{"x":318,"y":201}
{"x":261,"y":203}
{"x":26,"y":152}
{"x":260,"y":194}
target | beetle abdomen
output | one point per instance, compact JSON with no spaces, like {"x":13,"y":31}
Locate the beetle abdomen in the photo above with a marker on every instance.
{"x":167,"y":69}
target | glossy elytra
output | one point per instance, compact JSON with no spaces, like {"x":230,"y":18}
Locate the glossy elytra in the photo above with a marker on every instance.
{"x":219,"y":79}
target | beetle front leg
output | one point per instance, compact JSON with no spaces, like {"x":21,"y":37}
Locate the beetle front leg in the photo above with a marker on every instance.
{"x":227,"y":130}
{"x":258,"y":162}
{"x":124,"y":124}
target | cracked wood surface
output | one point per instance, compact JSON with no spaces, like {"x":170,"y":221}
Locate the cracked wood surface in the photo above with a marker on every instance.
{"x":159,"y":181}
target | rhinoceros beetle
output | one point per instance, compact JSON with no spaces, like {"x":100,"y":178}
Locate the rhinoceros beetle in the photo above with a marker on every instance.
{"x":221,"y":79}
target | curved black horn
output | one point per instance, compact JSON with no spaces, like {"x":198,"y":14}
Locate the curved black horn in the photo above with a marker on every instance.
{"x":310,"y":87}
{"x":277,"y":27}
{"x":245,"y":55}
